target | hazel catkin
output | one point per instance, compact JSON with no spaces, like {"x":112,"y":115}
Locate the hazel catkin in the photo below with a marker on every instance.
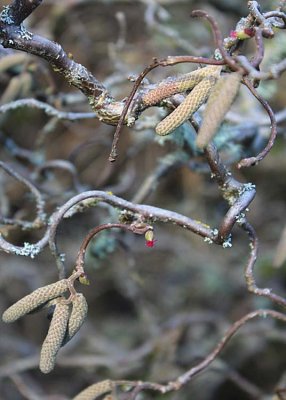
{"x":218,"y":104}
{"x":179,"y":84}
{"x":55,"y":336}
{"x":34,"y":300}
{"x":94,"y":391}
{"x":187,"y":108}
{"x":77,"y":317}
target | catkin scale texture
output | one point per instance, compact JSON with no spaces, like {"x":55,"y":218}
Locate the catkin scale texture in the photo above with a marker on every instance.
{"x":77,"y":317}
{"x":34,"y":300}
{"x":188,"y":107}
{"x":54,"y":338}
{"x":93,"y":391}
{"x":219,"y":102}
{"x":179,"y":84}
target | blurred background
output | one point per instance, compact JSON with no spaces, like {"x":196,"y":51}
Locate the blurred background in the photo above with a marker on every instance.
{"x":153,"y":312}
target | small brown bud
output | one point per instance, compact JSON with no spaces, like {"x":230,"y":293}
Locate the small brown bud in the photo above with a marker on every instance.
{"x":34,"y":300}
{"x":54,"y":338}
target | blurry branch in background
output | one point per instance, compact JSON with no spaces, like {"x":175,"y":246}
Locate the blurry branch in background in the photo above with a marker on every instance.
{"x":48,"y":109}
{"x":192,"y":372}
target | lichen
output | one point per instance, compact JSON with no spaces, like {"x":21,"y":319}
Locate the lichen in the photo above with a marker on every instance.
{"x":6,"y":17}
{"x":28,"y":250}
{"x":246,"y":187}
{"x":24,"y":33}
{"x":227,"y":242}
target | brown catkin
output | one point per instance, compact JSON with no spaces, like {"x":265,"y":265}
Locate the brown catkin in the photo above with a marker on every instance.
{"x":77,"y":317}
{"x":188,"y":107}
{"x":54,"y":338}
{"x":34,"y":300}
{"x":94,"y":391}
{"x":179,"y":84}
{"x":219,"y":102}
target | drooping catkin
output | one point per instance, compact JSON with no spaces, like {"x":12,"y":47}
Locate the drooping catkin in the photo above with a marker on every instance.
{"x":188,"y":107}
{"x":34,"y":300}
{"x":77,"y":317}
{"x":94,"y":391}
{"x":54,"y":338}
{"x":171,"y":86}
{"x":218,"y":104}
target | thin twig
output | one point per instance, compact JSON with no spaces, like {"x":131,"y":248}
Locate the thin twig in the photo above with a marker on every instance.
{"x":40,"y":219}
{"x":249,"y":270}
{"x":192,"y":372}
{"x":47,"y":108}
{"x":247,"y":162}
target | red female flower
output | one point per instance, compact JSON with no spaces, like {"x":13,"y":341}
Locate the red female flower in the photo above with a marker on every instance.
{"x":149,"y":237}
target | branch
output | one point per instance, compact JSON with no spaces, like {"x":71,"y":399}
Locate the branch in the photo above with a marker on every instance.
{"x":192,"y":372}
{"x":47,"y":108}
{"x":249,"y":273}
{"x":15,"y":36}
{"x":19,"y":10}
{"x":247,"y":162}
{"x":40,"y":219}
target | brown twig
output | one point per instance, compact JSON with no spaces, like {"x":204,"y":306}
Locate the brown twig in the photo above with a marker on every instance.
{"x":143,"y":212}
{"x":217,"y":38}
{"x":137,"y":228}
{"x":249,"y":270}
{"x":192,"y":372}
{"x":247,"y":162}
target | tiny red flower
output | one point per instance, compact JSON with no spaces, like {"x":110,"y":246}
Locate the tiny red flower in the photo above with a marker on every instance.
{"x":149,"y":237}
{"x":233,"y":34}
{"x":150,"y":243}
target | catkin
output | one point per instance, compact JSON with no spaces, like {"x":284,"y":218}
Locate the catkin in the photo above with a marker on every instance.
{"x":188,"y":107}
{"x":171,"y":86}
{"x":54,"y":338}
{"x":34,"y":300}
{"x":94,"y":391}
{"x":219,"y":102}
{"x":77,"y":317}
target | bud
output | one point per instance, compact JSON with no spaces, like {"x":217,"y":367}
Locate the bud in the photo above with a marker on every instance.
{"x":242,"y":34}
{"x":149,"y":237}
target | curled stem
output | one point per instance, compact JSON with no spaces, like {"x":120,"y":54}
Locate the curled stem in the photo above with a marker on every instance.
{"x":247,"y":162}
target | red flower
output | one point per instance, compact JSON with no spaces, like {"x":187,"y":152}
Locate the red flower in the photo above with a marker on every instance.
{"x":150,"y":243}
{"x":149,"y":237}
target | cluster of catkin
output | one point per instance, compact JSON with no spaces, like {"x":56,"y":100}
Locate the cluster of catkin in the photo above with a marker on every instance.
{"x":68,"y":317}
{"x":205,"y":85}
